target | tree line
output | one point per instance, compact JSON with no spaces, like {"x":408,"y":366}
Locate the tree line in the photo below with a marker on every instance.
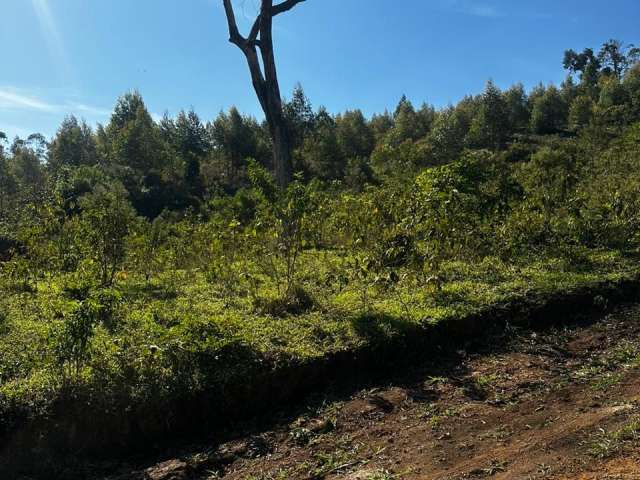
{"x":184,"y":164}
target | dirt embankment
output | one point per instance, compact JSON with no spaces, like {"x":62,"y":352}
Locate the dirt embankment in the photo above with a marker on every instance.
{"x":559,"y":404}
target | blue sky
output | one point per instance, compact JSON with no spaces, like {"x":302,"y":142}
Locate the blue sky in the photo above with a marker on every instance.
{"x":77,"y":56}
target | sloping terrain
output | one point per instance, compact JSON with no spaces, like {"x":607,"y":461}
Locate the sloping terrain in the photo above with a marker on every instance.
{"x":556,"y":404}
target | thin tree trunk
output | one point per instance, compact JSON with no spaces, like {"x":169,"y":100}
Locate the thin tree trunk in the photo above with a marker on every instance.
{"x":281,"y":153}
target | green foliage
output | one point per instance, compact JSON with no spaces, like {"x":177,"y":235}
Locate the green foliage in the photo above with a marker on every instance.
{"x":355,"y":136}
{"x":585,"y":63}
{"x":320,"y":153}
{"x":105,"y":222}
{"x":632,"y":84}
{"x":608,"y":194}
{"x":615,"y":58}
{"x":71,"y":340}
{"x":235,"y":137}
{"x":133,"y":136}
{"x":73,"y":146}
{"x":548,"y":177}
{"x":580,"y":112}
{"x":393,"y":223}
{"x":402,"y":161}
{"x":612,"y":93}
{"x":450,"y":207}
{"x":490,"y":127}
{"x":408,"y":124}
{"x":284,"y":227}
{"x":145,"y":244}
{"x":549,"y":112}
{"x":515,"y":99}
{"x":448,"y":133}
{"x":300,"y":116}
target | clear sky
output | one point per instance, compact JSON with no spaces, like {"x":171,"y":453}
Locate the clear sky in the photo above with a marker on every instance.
{"x":77,"y":56}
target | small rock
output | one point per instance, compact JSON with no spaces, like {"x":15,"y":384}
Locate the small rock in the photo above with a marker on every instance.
{"x":320,"y":426}
{"x":381,"y":403}
{"x":169,"y":470}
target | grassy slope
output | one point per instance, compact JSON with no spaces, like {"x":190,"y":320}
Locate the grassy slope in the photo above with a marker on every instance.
{"x":163,"y":343}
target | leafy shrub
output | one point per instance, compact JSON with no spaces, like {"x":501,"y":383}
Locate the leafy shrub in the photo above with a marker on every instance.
{"x":283,"y":224}
{"x":71,"y":340}
{"x":450,"y":207}
{"x":106,"y":218}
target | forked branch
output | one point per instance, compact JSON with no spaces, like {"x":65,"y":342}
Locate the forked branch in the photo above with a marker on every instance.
{"x":234,"y":33}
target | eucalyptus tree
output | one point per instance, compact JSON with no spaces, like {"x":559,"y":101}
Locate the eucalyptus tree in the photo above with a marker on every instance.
{"x":616,"y":58}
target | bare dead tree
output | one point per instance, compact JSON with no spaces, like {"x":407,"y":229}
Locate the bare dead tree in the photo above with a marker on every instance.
{"x":265,"y":83}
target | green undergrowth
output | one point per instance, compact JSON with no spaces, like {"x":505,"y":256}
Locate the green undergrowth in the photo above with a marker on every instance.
{"x":175,"y":336}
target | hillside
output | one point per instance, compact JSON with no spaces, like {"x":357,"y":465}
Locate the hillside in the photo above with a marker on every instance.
{"x":158,"y":283}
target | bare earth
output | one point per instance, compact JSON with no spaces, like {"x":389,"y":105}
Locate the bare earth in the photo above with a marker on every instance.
{"x":560,"y":404}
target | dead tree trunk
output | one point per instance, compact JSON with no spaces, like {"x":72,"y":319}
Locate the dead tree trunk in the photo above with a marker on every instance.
{"x":266,"y":83}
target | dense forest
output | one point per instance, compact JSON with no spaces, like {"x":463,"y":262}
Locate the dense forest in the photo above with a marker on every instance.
{"x":144,"y":262}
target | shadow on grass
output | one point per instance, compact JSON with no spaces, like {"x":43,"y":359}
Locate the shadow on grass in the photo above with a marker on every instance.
{"x":378,"y":328}
{"x":149,"y":290}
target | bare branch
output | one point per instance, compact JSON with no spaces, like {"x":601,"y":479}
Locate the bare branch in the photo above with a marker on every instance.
{"x":255,"y":30}
{"x":234,"y":33}
{"x":284,"y":6}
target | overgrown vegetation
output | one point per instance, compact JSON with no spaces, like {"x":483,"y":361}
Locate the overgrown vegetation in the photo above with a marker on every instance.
{"x":145,"y":262}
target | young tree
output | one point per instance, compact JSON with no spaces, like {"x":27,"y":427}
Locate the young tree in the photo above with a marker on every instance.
{"x":107,"y":217}
{"x":7,"y":182}
{"x":27,"y":168}
{"x":490,"y":127}
{"x":380,"y":125}
{"x":8,"y":187}
{"x":517,"y":109}
{"x":134,"y":137}
{"x":265,"y":77}
{"x":3,"y":141}
{"x":284,"y":221}
{"x":612,"y":93}
{"x":134,"y":150}
{"x":632,"y":84}
{"x":190,"y":135}
{"x":426,"y":116}
{"x":300,"y":117}
{"x":38,"y":144}
{"x":189,"y":138}
{"x":447,"y":137}
{"x":407,"y":125}
{"x":613,"y":107}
